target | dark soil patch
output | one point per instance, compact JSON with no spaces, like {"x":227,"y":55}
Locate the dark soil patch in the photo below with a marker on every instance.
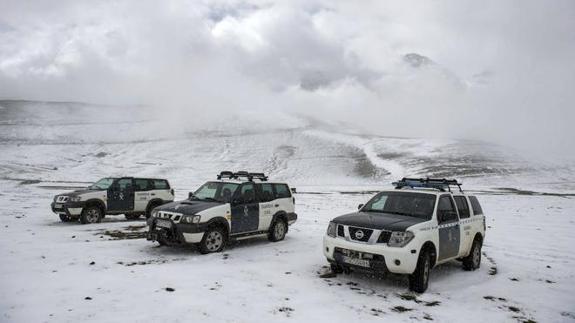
{"x":286,"y":310}
{"x":432,"y":303}
{"x":123,"y":235}
{"x":401,"y":309}
{"x":169,"y":289}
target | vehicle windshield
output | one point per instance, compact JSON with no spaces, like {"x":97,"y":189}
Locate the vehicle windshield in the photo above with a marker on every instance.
{"x":215,"y":192}
{"x":102,"y":184}
{"x":419,"y":205}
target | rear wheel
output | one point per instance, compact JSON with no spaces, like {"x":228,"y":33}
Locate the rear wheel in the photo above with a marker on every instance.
{"x":214,"y":240}
{"x":419,"y":280}
{"x":68,"y":218}
{"x":91,"y":214}
{"x":278,"y":230}
{"x":473,"y":261}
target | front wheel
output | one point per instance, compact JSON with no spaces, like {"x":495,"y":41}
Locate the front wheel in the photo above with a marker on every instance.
{"x":419,"y":280}
{"x":278,"y":230}
{"x":91,"y":214}
{"x":214,"y":240}
{"x":473,"y":261}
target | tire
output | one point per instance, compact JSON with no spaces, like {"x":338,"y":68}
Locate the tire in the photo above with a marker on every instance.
{"x":278,"y":230}
{"x":336,"y":269}
{"x":418,"y":281}
{"x":66,"y":218}
{"x":132,"y":216}
{"x":473,"y":260}
{"x":214,"y":240}
{"x":91,"y":214}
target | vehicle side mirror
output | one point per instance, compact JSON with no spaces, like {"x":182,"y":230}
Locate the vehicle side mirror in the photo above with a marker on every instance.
{"x":360,"y":206}
{"x":293,"y":190}
{"x":190,"y":195}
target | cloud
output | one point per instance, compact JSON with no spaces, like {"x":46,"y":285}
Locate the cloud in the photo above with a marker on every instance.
{"x":498,"y":71}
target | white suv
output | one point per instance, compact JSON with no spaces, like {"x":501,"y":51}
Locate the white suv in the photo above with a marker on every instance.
{"x":234,"y":206}
{"x":130,"y":196}
{"x":408,"y":230}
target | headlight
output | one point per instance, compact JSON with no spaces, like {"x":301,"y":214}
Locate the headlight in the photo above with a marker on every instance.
{"x":331,"y":229}
{"x":191,"y":219}
{"x":400,"y":239}
{"x":154,"y":213}
{"x":75,"y":198}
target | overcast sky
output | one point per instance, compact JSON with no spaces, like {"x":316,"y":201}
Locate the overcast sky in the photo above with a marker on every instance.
{"x":501,"y":71}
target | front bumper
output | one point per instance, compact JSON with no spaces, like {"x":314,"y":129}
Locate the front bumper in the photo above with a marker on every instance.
{"x":384,"y":258}
{"x":177,"y":233}
{"x":68,"y":208}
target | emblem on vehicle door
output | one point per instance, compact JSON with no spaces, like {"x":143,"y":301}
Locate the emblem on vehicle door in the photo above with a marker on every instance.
{"x":359,"y":234}
{"x":246,"y":211}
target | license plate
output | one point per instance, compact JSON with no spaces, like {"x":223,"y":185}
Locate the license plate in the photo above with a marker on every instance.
{"x":164,"y":224}
{"x":58,"y":205}
{"x":355,"y":261}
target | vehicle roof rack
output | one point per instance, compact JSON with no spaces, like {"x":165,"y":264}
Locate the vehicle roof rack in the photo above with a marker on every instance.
{"x":440,"y":184}
{"x":243,"y":174}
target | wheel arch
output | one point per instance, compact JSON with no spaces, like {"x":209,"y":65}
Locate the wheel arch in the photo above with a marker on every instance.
{"x":430,"y":247}
{"x":279,"y":215}
{"x":219,"y":221}
{"x":154,"y":202}
{"x":478,"y":237}
{"x":96,"y":202}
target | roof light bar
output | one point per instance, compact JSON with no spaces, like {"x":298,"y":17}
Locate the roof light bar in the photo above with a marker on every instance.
{"x":243,"y":174}
{"x":440,"y":184}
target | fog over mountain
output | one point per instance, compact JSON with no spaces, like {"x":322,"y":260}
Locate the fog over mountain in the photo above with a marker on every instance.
{"x":495,"y":71}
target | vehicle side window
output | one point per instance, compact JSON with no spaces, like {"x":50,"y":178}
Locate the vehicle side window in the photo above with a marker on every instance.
{"x":124,"y":183}
{"x":142,"y":184}
{"x":462,"y":206}
{"x":282,"y":191}
{"x":475,"y":206}
{"x":160,"y":184}
{"x":248,"y":193}
{"x":267,"y":192}
{"x":446,"y":210}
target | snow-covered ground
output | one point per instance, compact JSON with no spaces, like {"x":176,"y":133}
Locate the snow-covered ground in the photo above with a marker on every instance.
{"x":61,"y":272}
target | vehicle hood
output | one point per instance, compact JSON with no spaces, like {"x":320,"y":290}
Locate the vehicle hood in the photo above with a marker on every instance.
{"x":187,"y":207}
{"x":79,"y":192}
{"x":379,"y":221}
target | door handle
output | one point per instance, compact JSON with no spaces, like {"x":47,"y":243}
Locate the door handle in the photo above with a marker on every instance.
{"x":153,"y":194}
{"x":277,"y":205}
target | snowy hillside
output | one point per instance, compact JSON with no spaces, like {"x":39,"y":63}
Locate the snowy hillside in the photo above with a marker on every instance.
{"x":59,"y":272}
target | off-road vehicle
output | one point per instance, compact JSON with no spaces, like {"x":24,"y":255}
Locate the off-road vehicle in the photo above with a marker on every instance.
{"x":408,"y":230}
{"x":130,"y":196}
{"x":237,"y":205}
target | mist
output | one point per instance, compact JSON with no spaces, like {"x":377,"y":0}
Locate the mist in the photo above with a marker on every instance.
{"x":496,"y":71}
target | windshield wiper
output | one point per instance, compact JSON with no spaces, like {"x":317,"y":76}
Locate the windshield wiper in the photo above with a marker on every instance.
{"x":210,"y":199}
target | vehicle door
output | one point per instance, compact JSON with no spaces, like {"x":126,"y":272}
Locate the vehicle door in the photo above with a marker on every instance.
{"x":467,"y":232}
{"x":143,"y":194}
{"x":245,"y":209}
{"x":268,"y":205}
{"x":449,"y":228}
{"x":121,"y":195}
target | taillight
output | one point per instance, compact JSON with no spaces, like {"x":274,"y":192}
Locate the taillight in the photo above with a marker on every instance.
{"x":293,"y":199}
{"x":172,"y":191}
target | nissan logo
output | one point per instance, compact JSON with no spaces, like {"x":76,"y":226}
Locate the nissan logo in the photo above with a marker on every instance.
{"x":359,"y":234}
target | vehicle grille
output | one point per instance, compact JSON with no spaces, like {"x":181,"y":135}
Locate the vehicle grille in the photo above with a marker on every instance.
{"x":169,"y":215}
{"x":340,"y":231}
{"x":384,"y":237}
{"x":360,"y":234}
